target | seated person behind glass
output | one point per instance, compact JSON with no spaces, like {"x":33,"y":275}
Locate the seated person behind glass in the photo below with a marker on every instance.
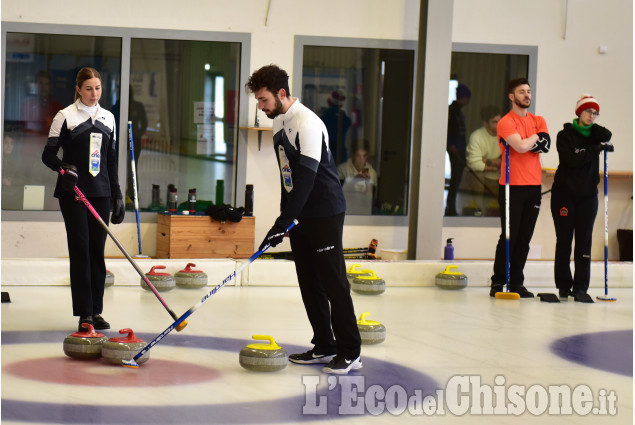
{"x":483,"y":153}
{"x":357,"y":170}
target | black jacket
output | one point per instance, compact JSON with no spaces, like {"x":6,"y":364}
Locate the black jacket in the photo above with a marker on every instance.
{"x":578,"y":173}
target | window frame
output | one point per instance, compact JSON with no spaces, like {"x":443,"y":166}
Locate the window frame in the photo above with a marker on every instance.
{"x":532,"y":76}
{"x":126,"y":34}
{"x":298,"y":57}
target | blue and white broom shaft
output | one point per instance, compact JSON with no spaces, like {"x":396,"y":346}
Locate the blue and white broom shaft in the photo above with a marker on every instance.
{"x":606,"y":225}
{"x":507,"y":218}
{"x":133,"y":363}
{"x":133,"y":169}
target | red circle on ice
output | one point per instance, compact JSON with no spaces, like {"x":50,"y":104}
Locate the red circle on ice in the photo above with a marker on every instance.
{"x":156,"y":372}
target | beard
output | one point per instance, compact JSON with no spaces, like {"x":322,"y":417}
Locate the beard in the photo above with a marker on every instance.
{"x":277,"y":111}
{"x":522,"y":103}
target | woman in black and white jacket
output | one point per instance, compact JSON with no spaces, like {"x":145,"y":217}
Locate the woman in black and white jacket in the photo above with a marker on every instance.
{"x":86,"y":134}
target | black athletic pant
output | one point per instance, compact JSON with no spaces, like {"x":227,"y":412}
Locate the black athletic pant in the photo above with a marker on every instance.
{"x":573,"y":215}
{"x":457,"y":163}
{"x":86,"y":241}
{"x":319,"y":262}
{"x":524,"y":207}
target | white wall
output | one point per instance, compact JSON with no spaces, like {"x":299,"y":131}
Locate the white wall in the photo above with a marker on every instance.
{"x":566,"y":68}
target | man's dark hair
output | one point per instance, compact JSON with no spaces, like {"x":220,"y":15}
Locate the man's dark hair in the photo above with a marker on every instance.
{"x":270,"y":77}
{"x":489,"y":112}
{"x":515,"y":83}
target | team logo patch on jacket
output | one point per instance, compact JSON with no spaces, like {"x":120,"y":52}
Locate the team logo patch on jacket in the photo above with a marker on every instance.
{"x":564,"y":212}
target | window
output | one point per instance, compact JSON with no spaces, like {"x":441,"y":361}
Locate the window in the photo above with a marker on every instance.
{"x":364,"y":95}
{"x":39,"y":79}
{"x":186,"y":93}
{"x":482,"y":72}
{"x":180,"y":89}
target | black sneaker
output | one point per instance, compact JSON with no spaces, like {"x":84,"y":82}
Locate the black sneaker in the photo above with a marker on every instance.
{"x":84,"y":319}
{"x":564,"y":293}
{"x":341,"y":366}
{"x":495,"y":288}
{"x":523,"y":292}
{"x":311,"y":357}
{"x":583,"y":298}
{"x":99,"y":322}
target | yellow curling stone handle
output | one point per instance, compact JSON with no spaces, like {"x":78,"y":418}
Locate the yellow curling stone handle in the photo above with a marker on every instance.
{"x":352,"y":268}
{"x":362,"y":320}
{"x":373,"y":276}
{"x":447,"y":270}
{"x":271,"y":346}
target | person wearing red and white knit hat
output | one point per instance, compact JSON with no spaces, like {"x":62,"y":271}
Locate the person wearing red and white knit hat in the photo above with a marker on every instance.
{"x":574,"y":196}
{"x":586,"y":102}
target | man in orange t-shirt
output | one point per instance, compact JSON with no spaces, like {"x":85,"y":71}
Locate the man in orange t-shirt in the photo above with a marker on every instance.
{"x":527,"y":137}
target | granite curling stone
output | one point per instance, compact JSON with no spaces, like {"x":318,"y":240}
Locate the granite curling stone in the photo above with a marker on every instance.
{"x":369,"y":285}
{"x":263,"y":357}
{"x":189,"y":278}
{"x":353,"y":272}
{"x":450,"y":280}
{"x":117,"y":349}
{"x":372,"y":332}
{"x":84,"y":345}
{"x":161,"y":281}
{"x":110,"y":279}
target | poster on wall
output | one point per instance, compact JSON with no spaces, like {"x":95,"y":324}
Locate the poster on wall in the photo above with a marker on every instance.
{"x":204,"y":139}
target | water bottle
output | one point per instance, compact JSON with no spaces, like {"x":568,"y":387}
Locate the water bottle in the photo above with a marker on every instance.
{"x":167,"y":198}
{"x":220,"y":192}
{"x":172,"y":200}
{"x":156,"y":197}
{"x":448,"y":252}
{"x":191,"y":201}
{"x":249,"y":200}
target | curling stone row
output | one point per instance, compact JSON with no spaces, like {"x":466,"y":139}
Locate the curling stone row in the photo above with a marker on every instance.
{"x":452,"y":280}
{"x":371,"y":332}
{"x":110,"y":279}
{"x":261,"y":357}
{"x":187,"y":278}
{"x":365,"y":282}
{"x":355,"y":271}
{"x":93,"y":345}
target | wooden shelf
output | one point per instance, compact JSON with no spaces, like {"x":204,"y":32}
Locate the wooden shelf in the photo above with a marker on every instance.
{"x":259,"y":130}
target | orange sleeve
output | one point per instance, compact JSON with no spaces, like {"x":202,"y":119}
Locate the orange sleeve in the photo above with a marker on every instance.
{"x":506,"y":127}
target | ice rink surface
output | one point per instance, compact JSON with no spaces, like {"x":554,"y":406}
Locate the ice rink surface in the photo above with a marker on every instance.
{"x":444,"y":351}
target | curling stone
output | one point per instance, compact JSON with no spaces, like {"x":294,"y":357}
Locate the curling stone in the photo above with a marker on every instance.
{"x":353,"y":272}
{"x":110,"y":278}
{"x":84,"y":345}
{"x":372,"y":332}
{"x":189,"y":278}
{"x":369,"y":285}
{"x":263,"y":357}
{"x":161,"y":281}
{"x":450,"y":280}
{"x":117,"y":349}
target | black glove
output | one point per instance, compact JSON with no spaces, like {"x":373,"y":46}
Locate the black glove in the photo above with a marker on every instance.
{"x":600,"y":134}
{"x":604,"y":146}
{"x":69,"y":178}
{"x":543,"y":144}
{"x":118,"y":207}
{"x":275,"y":236}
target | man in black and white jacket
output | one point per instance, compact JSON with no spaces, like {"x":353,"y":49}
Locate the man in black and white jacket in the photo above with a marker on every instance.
{"x":311,"y":192}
